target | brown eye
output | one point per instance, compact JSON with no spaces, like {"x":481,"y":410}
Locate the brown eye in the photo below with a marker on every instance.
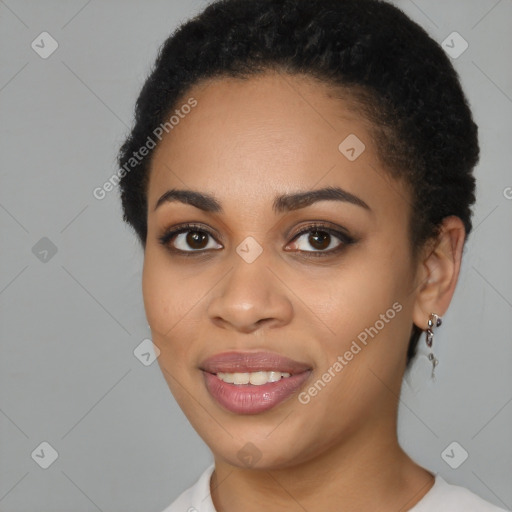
{"x":196,"y":239}
{"x":319,"y":239}
{"x":193,"y":241}
{"x":188,"y":240}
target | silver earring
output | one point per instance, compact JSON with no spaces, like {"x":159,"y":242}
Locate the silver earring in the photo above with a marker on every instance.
{"x":433,"y":322}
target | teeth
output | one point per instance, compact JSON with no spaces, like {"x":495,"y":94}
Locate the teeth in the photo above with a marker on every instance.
{"x":240,"y":378}
{"x":255,"y":378}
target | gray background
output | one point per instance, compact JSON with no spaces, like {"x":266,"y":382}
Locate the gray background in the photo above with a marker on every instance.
{"x":69,"y":323}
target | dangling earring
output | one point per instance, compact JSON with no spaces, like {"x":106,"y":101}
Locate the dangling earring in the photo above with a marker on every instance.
{"x":433,"y":322}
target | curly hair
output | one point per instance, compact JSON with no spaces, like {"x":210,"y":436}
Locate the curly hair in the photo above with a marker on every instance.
{"x":393,"y":72}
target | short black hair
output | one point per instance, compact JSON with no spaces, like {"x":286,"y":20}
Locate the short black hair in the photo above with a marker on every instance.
{"x":394,"y":72}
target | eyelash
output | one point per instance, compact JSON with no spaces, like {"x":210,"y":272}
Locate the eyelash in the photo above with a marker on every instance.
{"x":168,"y":235}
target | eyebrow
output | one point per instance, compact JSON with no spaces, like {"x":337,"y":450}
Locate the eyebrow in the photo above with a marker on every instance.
{"x":281,"y":204}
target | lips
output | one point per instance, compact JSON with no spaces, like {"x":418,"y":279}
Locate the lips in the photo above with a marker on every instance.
{"x":249,"y":398}
{"x":241,"y":362}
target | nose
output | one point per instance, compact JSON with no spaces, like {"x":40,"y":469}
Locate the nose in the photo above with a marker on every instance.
{"x":250,"y":297}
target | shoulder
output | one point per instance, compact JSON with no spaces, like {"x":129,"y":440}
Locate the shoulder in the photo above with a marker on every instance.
{"x":197,"y":497}
{"x":442,"y":497}
{"x":452,"y":498}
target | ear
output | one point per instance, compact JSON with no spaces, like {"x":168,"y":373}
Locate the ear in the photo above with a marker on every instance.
{"x":438,"y":271}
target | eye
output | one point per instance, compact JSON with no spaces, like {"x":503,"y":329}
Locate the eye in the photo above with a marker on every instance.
{"x":193,"y":239}
{"x":189,"y":239}
{"x":323,"y":240}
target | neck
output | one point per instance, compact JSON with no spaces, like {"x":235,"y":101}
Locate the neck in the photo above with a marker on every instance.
{"x":369,"y":470}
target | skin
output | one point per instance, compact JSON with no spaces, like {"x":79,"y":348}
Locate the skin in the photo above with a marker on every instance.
{"x":245,"y":142}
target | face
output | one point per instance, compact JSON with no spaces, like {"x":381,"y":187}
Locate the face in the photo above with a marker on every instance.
{"x":276,"y":273}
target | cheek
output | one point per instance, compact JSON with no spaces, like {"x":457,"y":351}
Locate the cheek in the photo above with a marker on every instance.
{"x":168,"y":297}
{"x":368,"y":303}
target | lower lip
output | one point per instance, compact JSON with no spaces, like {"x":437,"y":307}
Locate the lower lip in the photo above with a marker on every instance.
{"x":250,"y":399}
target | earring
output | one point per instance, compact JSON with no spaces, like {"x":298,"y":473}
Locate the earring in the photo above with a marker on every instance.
{"x":433,"y":322}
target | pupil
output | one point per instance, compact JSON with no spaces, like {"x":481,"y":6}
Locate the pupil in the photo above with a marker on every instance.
{"x":319,"y":239}
{"x":196,"y":239}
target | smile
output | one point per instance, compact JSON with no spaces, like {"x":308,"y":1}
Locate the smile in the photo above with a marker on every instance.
{"x":252,"y":383}
{"x":254,"y":378}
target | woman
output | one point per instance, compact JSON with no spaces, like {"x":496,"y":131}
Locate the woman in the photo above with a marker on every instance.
{"x":300,"y":178}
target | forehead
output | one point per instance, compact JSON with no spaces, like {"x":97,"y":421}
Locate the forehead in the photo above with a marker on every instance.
{"x":247,"y":140}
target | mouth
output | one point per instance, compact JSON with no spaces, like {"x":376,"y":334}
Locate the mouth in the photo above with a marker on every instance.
{"x":251,"y":383}
{"x":258,"y":378}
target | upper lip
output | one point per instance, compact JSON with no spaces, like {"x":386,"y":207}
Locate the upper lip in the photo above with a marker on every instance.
{"x":242,"y":362}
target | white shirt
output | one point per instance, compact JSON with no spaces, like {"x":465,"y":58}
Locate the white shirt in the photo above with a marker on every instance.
{"x":442,"y":497}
